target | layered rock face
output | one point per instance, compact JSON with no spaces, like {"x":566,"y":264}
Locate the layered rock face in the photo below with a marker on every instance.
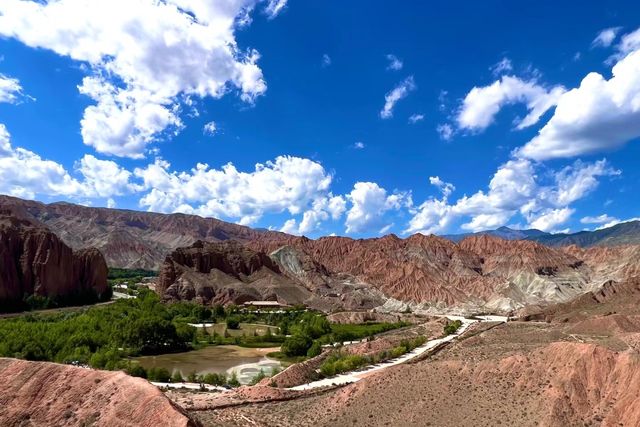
{"x":481,"y":272}
{"x":48,"y":394}
{"x":230,"y":272}
{"x":128,"y":239}
{"x":33,"y":261}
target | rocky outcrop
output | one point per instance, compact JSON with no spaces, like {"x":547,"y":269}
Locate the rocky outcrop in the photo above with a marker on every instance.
{"x":225,"y":272}
{"x":48,"y":394}
{"x":34,"y":261}
{"x":230,"y":272}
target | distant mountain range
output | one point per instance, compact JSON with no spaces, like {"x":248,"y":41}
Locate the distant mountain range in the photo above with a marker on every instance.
{"x":620,"y":234}
{"x":502,"y":232}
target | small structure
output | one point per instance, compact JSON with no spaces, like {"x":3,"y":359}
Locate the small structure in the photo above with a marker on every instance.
{"x":264,"y":304}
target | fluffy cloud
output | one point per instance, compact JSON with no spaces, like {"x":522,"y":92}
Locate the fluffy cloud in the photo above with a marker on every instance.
{"x":434,"y":215}
{"x":10,"y":89}
{"x":606,"y":37}
{"x":599,"y":115}
{"x":415,"y":118}
{"x":104,"y":178}
{"x":369,"y":203}
{"x":23,"y":173}
{"x":141,"y":62}
{"x":358,"y":145}
{"x":549,"y":219}
{"x":575,"y":181}
{"x":445,"y":187}
{"x":326,"y":60}
{"x":395,"y":64}
{"x":514,"y":189}
{"x":290,"y":184}
{"x":482,"y":104}
{"x":396,"y":94}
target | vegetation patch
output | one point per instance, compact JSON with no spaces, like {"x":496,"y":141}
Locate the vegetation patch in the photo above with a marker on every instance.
{"x":340,"y":361}
{"x":452,"y":327}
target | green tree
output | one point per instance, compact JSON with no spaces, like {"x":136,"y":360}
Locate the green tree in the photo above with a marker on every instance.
{"x":233,"y":381}
{"x":176,"y":377}
{"x":314,"y":350}
{"x":233,"y":322}
{"x":296,"y":345}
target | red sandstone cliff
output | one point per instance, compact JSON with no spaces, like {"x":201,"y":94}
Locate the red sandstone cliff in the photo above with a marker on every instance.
{"x":34,"y":261}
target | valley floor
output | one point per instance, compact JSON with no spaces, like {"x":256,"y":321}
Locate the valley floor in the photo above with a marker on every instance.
{"x":517,"y":373}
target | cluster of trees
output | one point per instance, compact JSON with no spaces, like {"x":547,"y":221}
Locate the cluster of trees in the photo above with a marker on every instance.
{"x":313,"y":330}
{"x":340,"y":362}
{"x":452,"y":327}
{"x":99,"y":336}
{"x":310,"y":327}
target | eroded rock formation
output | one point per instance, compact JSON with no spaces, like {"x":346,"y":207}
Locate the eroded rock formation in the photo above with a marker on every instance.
{"x":34,"y":261}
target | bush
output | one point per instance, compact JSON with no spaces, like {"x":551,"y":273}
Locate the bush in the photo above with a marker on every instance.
{"x":177,"y":377}
{"x":215,"y":379}
{"x":137,"y":371}
{"x":314,"y":350}
{"x":233,"y":381}
{"x":259,"y":377}
{"x":452,"y":327}
{"x":233,"y":322}
{"x":296,"y":345}
{"x":160,"y":375}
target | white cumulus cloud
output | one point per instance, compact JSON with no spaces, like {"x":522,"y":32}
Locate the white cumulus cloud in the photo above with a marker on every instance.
{"x":369,"y":203}
{"x":481,"y":105}
{"x":142,"y":56}
{"x":599,"y":115}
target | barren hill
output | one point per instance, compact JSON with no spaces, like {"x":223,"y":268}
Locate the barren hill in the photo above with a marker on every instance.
{"x":49,"y":394}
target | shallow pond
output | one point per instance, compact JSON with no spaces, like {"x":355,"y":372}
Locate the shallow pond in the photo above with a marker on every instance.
{"x":246,"y":362}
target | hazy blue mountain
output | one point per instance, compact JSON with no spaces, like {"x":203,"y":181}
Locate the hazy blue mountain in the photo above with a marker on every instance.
{"x":502,"y":232}
{"x":620,"y":234}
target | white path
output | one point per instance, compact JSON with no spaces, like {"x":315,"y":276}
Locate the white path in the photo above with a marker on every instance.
{"x":351,"y":377}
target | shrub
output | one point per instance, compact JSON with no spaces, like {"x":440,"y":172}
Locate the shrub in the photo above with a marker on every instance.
{"x":233,"y":322}
{"x":296,"y":345}
{"x":137,"y":371}
{"x":259,"y":377}
{"x":233,"y":381}
{"x":314,"y":350}
{"x":215,"y":379}
{"x":176,"y":377}
{"x":161,"y":375}
{"x":452,"y":327}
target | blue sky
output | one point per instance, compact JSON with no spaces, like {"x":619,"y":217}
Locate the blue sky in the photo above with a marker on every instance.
{"x":496,"y":113}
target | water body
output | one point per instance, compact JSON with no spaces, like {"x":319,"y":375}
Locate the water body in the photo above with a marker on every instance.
{"x":245,"y":362}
